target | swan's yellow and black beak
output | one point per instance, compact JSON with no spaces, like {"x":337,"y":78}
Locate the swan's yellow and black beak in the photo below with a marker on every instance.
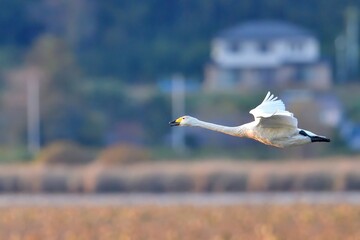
{"x":175,"y":122}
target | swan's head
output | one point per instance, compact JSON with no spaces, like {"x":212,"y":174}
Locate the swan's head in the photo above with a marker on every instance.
{"x":184,"y":121}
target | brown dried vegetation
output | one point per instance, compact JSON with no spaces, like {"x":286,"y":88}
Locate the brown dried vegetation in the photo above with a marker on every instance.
{"x":64,"y":153}
{"x":296,"y":222}
{"x":123,"y":154}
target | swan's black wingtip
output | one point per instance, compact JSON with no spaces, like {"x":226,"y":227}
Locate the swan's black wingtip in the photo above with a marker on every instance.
{"x":319,"y":139}
{"x":314,"y":138}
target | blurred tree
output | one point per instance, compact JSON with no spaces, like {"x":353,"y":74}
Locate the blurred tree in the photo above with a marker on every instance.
{"x":107,"y":104}
{"x":13,"y":108}
{"x":72,"y":20}
{"x":61,"y":105}
{"x":119,"y":43}
{"x":17,"y":24}
{"x":153,"y":115}
{"x":142,"y":40}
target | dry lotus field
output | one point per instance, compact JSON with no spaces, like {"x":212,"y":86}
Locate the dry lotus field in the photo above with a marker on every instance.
{"x":182,"y":222}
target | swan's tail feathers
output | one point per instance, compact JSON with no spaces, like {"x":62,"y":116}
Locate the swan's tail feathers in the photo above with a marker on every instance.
{"x":313,"y":137}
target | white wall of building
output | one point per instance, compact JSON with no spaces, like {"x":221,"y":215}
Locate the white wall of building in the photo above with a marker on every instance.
{"x":274,"y":53}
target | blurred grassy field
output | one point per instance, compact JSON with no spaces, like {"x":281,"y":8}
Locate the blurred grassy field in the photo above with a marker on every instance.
{"x":330,"y":174}
{"x":182,"y":222}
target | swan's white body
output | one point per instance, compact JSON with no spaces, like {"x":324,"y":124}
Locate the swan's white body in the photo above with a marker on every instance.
{"x":273,"y":125}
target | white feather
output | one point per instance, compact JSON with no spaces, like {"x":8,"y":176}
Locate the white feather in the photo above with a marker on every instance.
{"x":270,"y":106}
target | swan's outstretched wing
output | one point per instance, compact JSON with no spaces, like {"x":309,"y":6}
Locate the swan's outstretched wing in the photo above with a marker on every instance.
{"x":271,"y":113}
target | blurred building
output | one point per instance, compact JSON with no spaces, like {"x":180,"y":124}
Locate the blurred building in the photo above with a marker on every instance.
{"x":266,"y":53}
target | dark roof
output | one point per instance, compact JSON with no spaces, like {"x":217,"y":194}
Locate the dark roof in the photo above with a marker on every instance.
{"x":264,"y":30}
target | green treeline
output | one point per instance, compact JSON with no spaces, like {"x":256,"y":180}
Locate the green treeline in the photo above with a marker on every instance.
{"x":142,"y":40}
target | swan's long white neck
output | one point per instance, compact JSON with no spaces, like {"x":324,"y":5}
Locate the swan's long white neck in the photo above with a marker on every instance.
{"x":234,"y":131}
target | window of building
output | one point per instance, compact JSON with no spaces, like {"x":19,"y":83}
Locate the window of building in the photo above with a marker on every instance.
{"x":263,"y":47}
{"x":234,"y":47}
{"x":296,"y":46}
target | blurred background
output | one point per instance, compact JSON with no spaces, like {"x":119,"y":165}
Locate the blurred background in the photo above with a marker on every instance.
{"x":87,"y":89}
{"x":91,"y":83}
{"x":98,"y":74}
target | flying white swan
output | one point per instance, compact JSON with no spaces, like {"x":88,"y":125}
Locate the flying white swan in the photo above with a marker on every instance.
{"x":273,"y":125}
